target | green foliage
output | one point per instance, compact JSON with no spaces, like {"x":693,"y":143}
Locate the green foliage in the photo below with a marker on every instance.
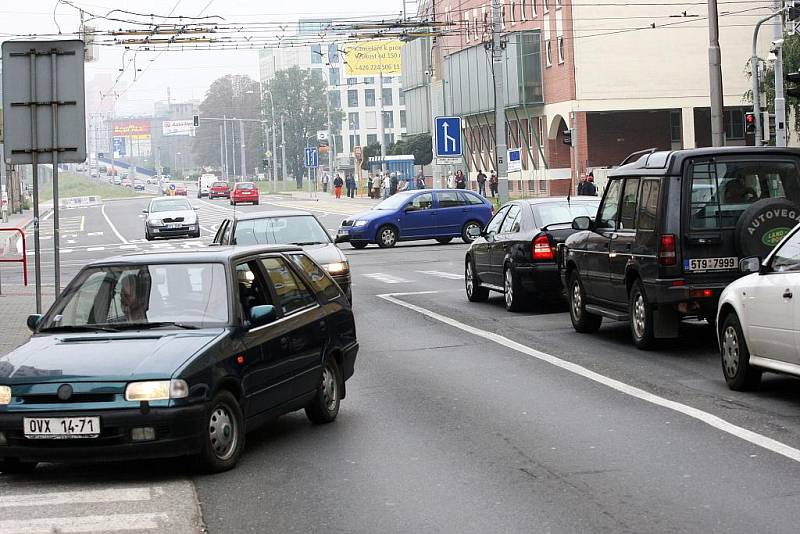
{"x":791,"y":63}
{"x":420,"y":146}
{"x":370,"y":151}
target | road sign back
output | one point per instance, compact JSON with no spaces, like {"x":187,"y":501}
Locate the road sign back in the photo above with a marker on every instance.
{"x":448,"y":137}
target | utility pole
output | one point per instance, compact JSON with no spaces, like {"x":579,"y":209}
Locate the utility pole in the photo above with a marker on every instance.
{"x":780,"y":100}
{"x":381,"y":125}
{"x":283,"y":150}
{"x":715,"y":73}
{"x":499,"y":74}
{"x":225,"y":138}
{"x":233,"y":147}
{"x":221,"y":154}
{"x":755,"y":79}
{"x":242,"y":147}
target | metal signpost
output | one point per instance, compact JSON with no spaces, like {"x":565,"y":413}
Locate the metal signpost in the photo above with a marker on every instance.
{"x":44,"y":120}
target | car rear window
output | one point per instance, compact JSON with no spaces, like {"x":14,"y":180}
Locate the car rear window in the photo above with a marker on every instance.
{"x":562,"y":212}
{"x":721,"y":191}
{"x":245,"y":186}
{"x":219,"y":184}
{"x":296,"y":229}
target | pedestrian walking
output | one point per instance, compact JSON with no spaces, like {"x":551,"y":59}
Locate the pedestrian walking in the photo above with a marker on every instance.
{"x":387,"y":185}
{"x":337,"y":186}
{"x":369,"y":185}
{"x":589,"y":189}
{"x":393,"y":183}
{"x":481,"y":183}
{"x":354,"y":191}
{"x":420,"y":181}
{"x":325,"y":180}
{"x":451,"y":181}
{"x":461,"y":180}
{"x":348,"y":184}
{"x":493,"y":183}
{"x":377,"y":183}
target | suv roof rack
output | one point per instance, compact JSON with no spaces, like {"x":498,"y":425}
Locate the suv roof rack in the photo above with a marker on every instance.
{"x":638,"y":154}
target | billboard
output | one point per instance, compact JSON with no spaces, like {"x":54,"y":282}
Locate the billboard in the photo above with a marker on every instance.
{"x":177,"y":128}
{"x":371,"y":58}
{"x":132,"y":128}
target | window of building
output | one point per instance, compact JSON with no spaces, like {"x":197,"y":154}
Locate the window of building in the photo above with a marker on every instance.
{"x":403,"y":119}
{"x":355,"y":140}
{"x":734,"y":124}
{"x":352,"y":98}
{"x":548,"y":54}
{"x":402,"y":97}
{"x":561,"y":49}
{"x":387,"y":96}
{"x":333,"y":76}
{"x":387,"y":80}
{"x":372,"y":139}
{"x":335,"y":98}
{"x":388,"y":139}
{"x":371,"y":120}
{"x":558,"y":4}
{"x":533,"y":13}
{"x":388,"y":119}
{"x":513,"y":12}
{"x":338,"y":146}
{"x":545,"y":7}
{"x":369,"y":80}
{"x":675,"y":126}
{"x":316,"y":54}
{"x":369,"y":98}
{"x":333,"y":53}
{"x":352,"y":120}
{"x":352,"y":81}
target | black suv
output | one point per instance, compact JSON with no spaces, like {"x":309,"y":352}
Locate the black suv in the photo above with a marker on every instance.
{"x":669,"y":234}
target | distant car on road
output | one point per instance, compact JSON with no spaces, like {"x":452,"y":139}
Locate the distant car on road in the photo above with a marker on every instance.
{"x":219,"y":190}
{"x":126,"y":182}
{"x":117,"y":180}
{"x":180,"y":190}
{"x":516,"y":253}
{"x":244,"y":192}
{"x":757,"y":321}
{"x":439,"y":214}
{"x":290,"y":227}
{"x":204,"y":183}
{"x":176,"y":354}
{"x":170,"y":217}
{"x":138,"y":185}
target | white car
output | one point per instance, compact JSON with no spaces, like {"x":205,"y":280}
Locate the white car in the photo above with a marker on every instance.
{"x":758,"y":323}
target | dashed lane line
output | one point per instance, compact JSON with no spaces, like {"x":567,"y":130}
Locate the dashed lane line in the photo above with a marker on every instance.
{"x":709,"y":419}
{"x":442,"y":274}
{"x":387,"y":278}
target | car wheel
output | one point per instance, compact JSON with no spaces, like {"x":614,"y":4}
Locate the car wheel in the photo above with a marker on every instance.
{"x":255,"y":203}
{"x":223,"y":434}
{"x":387,"y":237}
{"x":147,"y":236}
{"x":641,"y":317}
{"x":475,"y":292}
{"x":465,"y":231}
{"x":444,"y":240}
{"x":582,"y":321}
{"x":359,"y":244}
{"x":512,"y":290}
{"x":739,"y":374}
{"x":324,"y":407}
{"x":14,"y":467}
{"x":195,"y":235}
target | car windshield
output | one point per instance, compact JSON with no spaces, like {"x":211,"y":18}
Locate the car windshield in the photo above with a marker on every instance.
{"x":245,"y":186}
{"x":563,"y":212}
{"x":219,"y":184}
{"x":393,"y":202}
{"x":146,"y":296}
{"x":170,"y":205}
{"x":296,"y":229}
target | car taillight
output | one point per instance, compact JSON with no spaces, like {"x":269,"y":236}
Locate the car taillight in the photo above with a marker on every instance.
{"x":666,"y":250}
{"x":541,"y":249}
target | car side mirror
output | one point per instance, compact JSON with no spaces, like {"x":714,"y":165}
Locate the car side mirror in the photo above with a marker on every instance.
{"x":195,"y":208}
{"x":582,"y":223}
{"x":33,"y":321}
{"x":750,"y":265}
{"x":262,"y":315}
{"x":144,"y":211}
{"x":474,"y":232}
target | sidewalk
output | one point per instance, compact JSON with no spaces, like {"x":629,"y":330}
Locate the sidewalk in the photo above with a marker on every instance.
{"x":326,"y":202}
{"x":16,"y":303}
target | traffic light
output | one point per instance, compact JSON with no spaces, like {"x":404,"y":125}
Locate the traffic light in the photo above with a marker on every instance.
{"x":265,"y":163}
{"x":567,"y":139}
{"x":793,"y":77}
{"x":792,"y":10}
{"x":196,"y":120}
{"x":750,"y":122}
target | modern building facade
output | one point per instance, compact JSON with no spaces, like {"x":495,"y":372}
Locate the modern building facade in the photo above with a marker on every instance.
{"x":625,"y":77}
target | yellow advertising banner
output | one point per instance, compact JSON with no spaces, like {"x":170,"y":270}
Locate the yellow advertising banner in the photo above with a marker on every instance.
{"x":371,"y":58}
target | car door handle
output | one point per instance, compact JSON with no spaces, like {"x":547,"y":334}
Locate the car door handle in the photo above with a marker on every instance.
{"x":787,"y":294}
{"x":284,"y":342}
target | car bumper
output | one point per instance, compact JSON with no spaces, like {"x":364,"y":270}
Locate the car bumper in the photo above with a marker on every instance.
{"x":219,"y":194}
{"x":540,"y":278}
{"x":353,"y":233}
{"x":179,"y":432}
{"x":688,"y":299}
{"x":245,"y":199}
{"x":160,"y":231}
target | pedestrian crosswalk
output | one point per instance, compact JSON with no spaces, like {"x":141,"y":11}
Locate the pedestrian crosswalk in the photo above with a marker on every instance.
{"x":134,"y":246}
{"x":38,"y":505}
{"x":395,"y":279}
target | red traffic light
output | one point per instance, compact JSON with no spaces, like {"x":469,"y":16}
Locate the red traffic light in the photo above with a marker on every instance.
{"x":750,"y":123}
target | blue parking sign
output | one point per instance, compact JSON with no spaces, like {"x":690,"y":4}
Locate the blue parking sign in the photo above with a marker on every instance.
{"x":311,"y":157}
{"x":448,"y":137}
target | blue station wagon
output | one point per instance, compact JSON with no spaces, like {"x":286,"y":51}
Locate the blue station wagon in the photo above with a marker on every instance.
{"x":439,"y":214}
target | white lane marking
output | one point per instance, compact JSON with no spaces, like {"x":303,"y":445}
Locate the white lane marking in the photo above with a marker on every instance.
{"x":95,"y":249}
{"x":386,"y":278}
{"x":86,"y":523}
{"x":704,"y":417}
{"x":128,"y":247}
{"x":75,"y":497}
{"x":48,"y":216}
{"x":441,"y":274}
{"x":92,"y":234}
{"x":113,"y":228}
{"x":66,"y":250}
{"x":71,"y":241}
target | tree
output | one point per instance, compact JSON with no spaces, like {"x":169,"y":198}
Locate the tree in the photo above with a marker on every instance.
{"x":791,"y":63}
{"x":420,"y":146}
{"x":299,"y":97}
{"x":230,"y":96}
{"x":369,"y":151}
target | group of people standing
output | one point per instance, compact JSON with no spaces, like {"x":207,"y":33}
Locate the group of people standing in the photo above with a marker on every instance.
{"x":459,"y":181}
{"x":586,"y":186}
{"x":350,"y":183}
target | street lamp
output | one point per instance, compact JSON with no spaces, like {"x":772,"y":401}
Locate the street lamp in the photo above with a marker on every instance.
{"x":274,"y":131}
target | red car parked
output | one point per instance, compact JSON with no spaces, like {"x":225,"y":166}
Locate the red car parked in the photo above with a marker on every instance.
{"x":244,"y":192}
{"x":180,"y":189}
{"x":219,"y":189}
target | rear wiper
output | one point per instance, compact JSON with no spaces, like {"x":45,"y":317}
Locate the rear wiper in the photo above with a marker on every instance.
{"x":159,"y":324}
{"x":74,"y":328}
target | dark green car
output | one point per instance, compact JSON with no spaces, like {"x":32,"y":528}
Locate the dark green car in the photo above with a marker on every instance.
{"x":175,"y":354}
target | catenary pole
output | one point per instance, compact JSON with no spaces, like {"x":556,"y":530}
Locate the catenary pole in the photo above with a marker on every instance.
{"x":498,"y":72}
{"x":780,"y":100}
{"x":715,"y":75}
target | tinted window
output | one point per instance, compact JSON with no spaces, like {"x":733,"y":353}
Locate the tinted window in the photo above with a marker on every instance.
{"x":301,"y":229}
{"x":320,"y":280}
{"x":514,"y":215}
{"x":245,"y":186}
{"x":291,"y":292}
{"x":630,"y":198}
{"x":421,"y":202}
{"x":393,"y":202}
{"x":787,"y":258}
{"x":608,"y":212}
{"x":494,"y":224}
{"x":648,"y":206}
{"x":563,"y":213}
{"x":722,"y":191}
{"x":450,"y":199}
{"x":472,"y":199}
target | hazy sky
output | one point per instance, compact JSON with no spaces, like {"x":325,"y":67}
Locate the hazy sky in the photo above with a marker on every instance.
{"x":187,"y":73}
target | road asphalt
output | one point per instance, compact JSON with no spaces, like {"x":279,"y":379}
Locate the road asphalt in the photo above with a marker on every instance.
{"x":461,"y":417}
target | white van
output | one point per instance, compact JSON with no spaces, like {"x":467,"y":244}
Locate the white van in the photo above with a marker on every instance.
{"x":204,"y":184}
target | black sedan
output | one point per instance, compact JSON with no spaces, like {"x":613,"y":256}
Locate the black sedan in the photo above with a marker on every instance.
{"x":288,"y":227}
{"x":516,"y":253}
{"x":173,"y":354}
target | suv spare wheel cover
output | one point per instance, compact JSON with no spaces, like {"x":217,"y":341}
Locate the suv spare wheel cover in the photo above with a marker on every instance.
{"x":763,"y":225}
